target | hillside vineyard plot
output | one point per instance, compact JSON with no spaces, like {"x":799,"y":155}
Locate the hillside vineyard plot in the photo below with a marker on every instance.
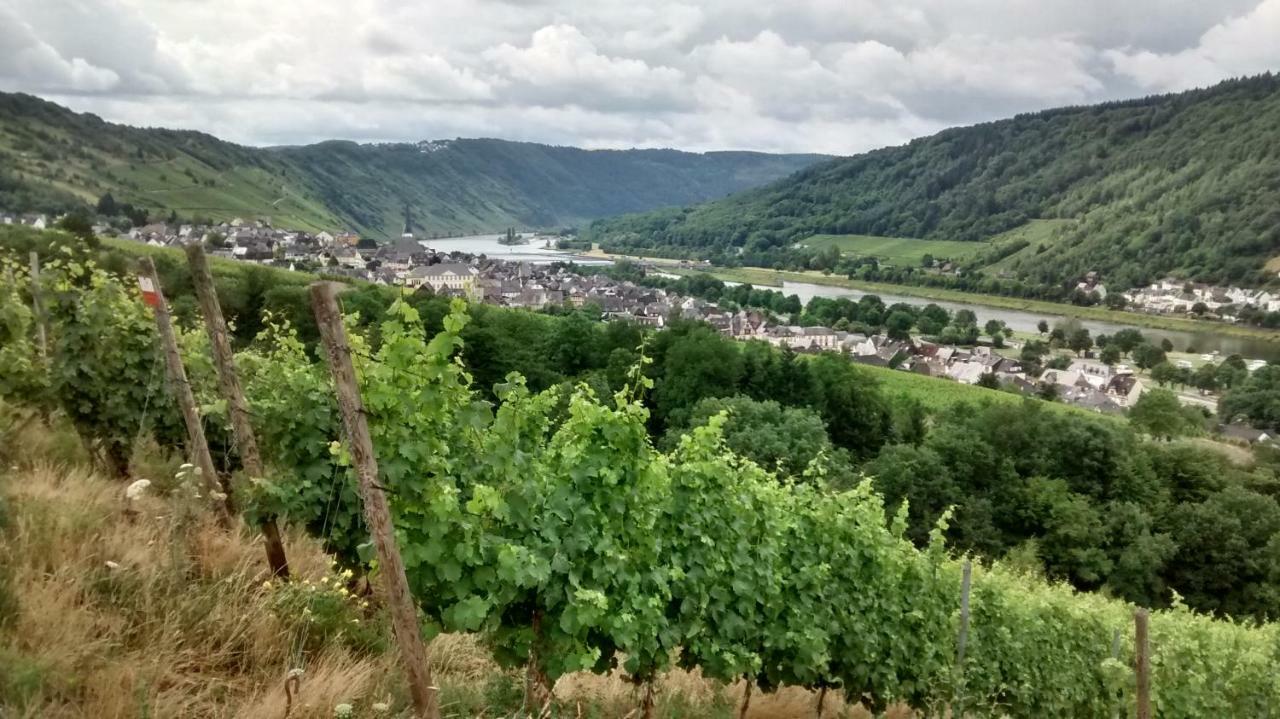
{"x":549,"y":524}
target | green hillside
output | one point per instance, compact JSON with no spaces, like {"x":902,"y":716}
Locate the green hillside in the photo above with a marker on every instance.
{"x":52,"y":158}
{"x":896,"y":250}
{"x":1186,"y":183}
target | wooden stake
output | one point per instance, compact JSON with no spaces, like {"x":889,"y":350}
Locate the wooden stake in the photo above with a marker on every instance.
{"x":42,"y":331}
{"x":962,"y":639}
{"x":197,"y":446}
{"x":404,"y":615}
{"x":646,"y":708}
{"x":1142,"y":662}
{"x":237,"y":406}
{"x":746,"y":697}
{"x":1115,"y":654}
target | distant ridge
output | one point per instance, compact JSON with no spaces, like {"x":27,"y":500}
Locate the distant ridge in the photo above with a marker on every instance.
{"x":1185,"y":183}
{"x":52,"y":158}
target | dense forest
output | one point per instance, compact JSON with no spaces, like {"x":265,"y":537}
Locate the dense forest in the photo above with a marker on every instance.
{"x":53,"y":159}
{"x":1187,"y":184}
{"x":1100,"y":502}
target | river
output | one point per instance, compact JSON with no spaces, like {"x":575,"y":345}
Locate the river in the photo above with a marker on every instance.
{"x":489,"y":246}
{"x":1204,"y":342}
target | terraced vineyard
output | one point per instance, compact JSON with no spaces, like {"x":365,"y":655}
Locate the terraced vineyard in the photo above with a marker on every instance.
{"x":549,"y":525}
{"x":896,"y":250}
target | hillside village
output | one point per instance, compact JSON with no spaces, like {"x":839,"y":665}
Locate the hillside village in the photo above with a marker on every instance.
{"x":1086,"y":382}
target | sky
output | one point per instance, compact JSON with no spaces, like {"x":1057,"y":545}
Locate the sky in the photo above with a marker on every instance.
{"x":833,"y":76}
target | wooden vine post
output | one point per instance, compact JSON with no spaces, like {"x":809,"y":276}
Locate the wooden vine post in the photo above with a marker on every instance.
{"x":1142,"y":662}
{"x":37,"y":305}
{"x":1115,"y":654}
{"x":404,"y":615}
{"x":197,"y":446}
{"x":962,"y":638}
{"x":237,"y":406}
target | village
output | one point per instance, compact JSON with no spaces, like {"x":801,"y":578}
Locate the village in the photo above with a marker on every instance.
{"x":1084,"y":381}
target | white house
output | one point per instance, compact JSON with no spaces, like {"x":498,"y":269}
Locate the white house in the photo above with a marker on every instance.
{"x":454,"y":276}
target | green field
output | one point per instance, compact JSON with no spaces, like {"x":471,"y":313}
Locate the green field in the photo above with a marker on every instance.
{"x":896,"y":250}
{"x":1036,"y":234}
{"x":939,"y":393}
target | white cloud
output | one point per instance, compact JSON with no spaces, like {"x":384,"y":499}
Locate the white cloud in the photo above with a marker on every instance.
{"x":806,"y":75}
{"x":561,"y":66}
{"x":25,"y":57}
{"x":1243,"y":45}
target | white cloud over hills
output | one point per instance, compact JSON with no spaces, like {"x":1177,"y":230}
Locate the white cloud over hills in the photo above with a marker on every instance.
{"x":837,"y":76}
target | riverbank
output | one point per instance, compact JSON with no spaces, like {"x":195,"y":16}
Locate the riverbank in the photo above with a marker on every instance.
{"x":775,"y":278}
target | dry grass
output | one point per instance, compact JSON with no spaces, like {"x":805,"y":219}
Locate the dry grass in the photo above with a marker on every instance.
{"x":180,"y":623}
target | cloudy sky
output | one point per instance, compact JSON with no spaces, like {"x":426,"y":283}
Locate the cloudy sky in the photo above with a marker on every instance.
{"x":835,"y":76}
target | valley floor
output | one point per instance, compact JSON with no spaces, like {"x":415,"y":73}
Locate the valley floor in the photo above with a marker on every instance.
{"x":774,"y":278}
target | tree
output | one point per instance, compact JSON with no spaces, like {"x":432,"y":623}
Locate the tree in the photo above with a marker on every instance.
{"x":989,"y":380}
{"x":1226,"y":557}
{"x":1159,"y":413}
{"x":1205,"y":377}
{"x":80,"y":225}
{"x":854,"y":409}
{"x":1042,"y":326}
{"x":1166,"y":344}
{"x":995,"y":328}
{"x":919,"y":476}
{"x":898,"y":325}
{"x":1127,"y":339}
{"x":1079,"y":340}
{"x":698,"y":363}
{"x":1033,"y":351}
{"x":1256,"y":399}
{"x":107,"y":205}
{"x":1110,"y":354}
{"x":1199,"y":308}
{"x":932,"y":319}
{"x":773,"y":436}
{"x":1147,"y":356}
{"x":926,"y":261}
{"x":1164,"y":374}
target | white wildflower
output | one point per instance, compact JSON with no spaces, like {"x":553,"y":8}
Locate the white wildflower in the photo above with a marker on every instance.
{"x":296,"y":673}
{"x":343,"y":711}
{"x":135,"y":491}
{"x":381,"y":707}
{"x":112,"y":565}
{"x":186,"y":465}
{"x":217,"y":496}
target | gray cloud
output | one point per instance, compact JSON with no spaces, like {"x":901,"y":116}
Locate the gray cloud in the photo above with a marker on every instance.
{"x":805,"y":75}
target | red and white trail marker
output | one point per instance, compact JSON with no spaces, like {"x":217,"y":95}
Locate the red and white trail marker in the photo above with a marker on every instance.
{"x":148,"y":288}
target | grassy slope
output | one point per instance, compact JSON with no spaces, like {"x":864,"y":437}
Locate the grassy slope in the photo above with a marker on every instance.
{"x":184,"y":626}
{"x":938,"y":393}
{"x":896,"y":250}
{"x":50,"y":156}
{"x":1036,"y":234}
{"x":763,"y":277}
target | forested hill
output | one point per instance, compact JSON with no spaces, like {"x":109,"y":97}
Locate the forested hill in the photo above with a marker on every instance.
{"x":52,"y":158}
{"x":1186,"y":183}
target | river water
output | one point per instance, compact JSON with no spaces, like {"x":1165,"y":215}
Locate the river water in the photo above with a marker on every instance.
{"x":488,"y":245}
{"x":1203,"y":342}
